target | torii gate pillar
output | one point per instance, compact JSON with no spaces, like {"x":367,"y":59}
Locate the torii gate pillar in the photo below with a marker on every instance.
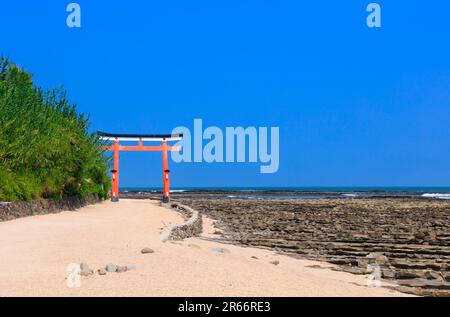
{"x":115,"y":173}
{"x":166,"y":172}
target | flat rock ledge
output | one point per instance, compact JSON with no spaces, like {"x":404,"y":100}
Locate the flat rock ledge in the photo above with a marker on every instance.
{"x":191,"y":228}
{"x":19,"y":209}
{"x":407,"y":239}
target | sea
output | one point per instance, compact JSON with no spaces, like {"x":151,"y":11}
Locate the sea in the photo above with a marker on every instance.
{"x":299,"y":192}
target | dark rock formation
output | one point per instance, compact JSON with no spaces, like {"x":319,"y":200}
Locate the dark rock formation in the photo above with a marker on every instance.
{"x":409,"y":239}
{"x":13,"y":210}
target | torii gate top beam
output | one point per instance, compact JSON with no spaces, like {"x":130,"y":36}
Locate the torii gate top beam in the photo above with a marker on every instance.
{"x":137,"y":137}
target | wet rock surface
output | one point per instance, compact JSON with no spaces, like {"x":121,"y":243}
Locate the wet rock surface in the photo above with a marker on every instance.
{"x":407,"y":238}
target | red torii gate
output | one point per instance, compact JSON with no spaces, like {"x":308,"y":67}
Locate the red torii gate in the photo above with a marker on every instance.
{"x":116,"y":148}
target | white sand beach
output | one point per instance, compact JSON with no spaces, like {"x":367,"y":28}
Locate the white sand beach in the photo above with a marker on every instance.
{"x":35,"y":252}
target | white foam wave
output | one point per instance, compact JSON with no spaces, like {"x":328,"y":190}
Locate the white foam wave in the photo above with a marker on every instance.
{"x":350,"y":195}
{"x":436,"y":195}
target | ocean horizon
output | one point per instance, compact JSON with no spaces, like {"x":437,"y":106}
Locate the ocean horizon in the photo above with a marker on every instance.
{"x":301,"y":188}
{"x":343,"y":192}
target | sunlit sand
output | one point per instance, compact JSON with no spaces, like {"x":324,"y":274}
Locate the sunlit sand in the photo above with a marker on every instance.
{"x":35,"y":252}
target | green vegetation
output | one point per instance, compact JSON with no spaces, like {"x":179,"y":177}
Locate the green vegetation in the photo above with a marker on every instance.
{"x":46,"y":150}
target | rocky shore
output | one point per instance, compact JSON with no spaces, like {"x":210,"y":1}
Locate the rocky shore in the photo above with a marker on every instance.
{"x":407,"y":240}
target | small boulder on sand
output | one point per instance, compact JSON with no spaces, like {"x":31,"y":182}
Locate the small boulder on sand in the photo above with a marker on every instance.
{"x":121,"y":269}
{"x":85,"y":270}
{"x":276,"y":262}
{"x":111,"y":268}
{"x":101,"y":272}
{"x":147,"y":251}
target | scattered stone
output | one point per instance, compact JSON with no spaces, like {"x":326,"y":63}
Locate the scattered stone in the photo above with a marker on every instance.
{"x":121,"y":269}
{"x":191,"y":245}
{"x":217,"y":232}
{"x":220,"y":250}
{"x":84,"y":266}
{"x":111,"y":268}
{"x":101,"y":272}
{"x":147,"y":251}
{"x":254,"y":257}
{"x":85,"y":270}
{"x":276,"y":262}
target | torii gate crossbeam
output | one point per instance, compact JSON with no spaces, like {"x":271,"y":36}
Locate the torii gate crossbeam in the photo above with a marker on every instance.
{"x":116,"y":148}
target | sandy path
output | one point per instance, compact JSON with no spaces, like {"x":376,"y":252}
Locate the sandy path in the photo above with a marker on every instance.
{"x":35,"y":251}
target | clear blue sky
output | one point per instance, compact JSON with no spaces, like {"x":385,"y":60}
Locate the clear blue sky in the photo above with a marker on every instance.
{"x":356,"y":106}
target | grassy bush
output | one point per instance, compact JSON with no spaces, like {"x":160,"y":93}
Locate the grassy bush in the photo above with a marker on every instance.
{"x":46,"y":150}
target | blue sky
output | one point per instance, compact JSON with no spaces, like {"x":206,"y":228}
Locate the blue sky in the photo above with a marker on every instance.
{"x":355,"y":106}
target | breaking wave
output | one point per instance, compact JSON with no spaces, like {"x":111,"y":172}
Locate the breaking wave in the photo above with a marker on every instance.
{"x":436,"y":195}
{"x":350,"y":195}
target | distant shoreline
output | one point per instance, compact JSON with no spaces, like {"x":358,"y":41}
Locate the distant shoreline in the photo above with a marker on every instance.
{"x":300,"y":188}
